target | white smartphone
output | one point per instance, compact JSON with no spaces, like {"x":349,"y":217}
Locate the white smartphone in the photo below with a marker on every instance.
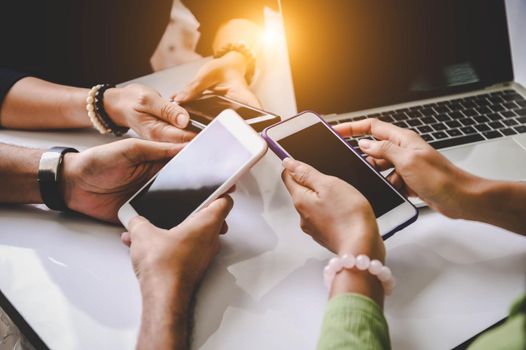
{"x":204,"y":170}
{"x":308,"y":138}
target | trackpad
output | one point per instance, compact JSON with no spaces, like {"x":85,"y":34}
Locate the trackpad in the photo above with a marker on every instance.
{"x":502,"y":159}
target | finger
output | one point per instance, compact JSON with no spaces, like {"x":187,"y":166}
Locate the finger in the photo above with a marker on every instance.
{"x":240,"y":93}
{"x":396,"y":180}
{"x":140,"y":151}
{"x":217,"y":211}
{"x":168,"y":111}
{"x":224,"y":228}
{"x":382,"y":150}
{"x":231,"y":189}
{"x":379,"y":164}
{"x":137,"y":225}
{"x":378,"y":129}
{"x":303,"y":174}
{"x":126,"y":238}
{"x":196,"y":87}
{"x":172,"y":134}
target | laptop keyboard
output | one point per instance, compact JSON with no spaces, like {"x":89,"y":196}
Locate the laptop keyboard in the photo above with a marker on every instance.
{"x":458,"y":121}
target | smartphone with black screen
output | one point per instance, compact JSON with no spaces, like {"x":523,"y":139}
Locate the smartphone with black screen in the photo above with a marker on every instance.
{"x":203,"y":110}
{"x":308,"y":138}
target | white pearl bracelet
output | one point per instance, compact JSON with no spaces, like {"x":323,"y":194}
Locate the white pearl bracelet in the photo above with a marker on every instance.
{"x":92,"y":114}
{"x":363,"y":263}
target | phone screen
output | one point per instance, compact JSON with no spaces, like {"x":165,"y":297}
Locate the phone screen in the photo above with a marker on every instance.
{"x":206,"y":109}
{"x":191,"y":177}
{"x":319,"y":147}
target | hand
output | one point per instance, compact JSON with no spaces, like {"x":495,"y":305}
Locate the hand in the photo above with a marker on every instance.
{"x":333,"y":212}
{"x":98,"y":181}
{"x":181,"y":254}
{"x":224,"y":76}
{"x":147,"y":113}
{"x":419,"y":169}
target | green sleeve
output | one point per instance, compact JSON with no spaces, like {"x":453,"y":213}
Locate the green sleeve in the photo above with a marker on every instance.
{"x":353,"y":321}
{"x":510,"y":336}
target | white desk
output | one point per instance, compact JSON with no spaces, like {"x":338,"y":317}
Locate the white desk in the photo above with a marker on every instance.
{"x":71,"y":278}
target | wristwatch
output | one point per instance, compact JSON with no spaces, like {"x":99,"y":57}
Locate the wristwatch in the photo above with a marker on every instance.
{"x":49,"y":175}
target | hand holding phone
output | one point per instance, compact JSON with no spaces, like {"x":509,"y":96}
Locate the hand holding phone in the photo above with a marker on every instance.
{"x":204,"y":170}
{"x":307,"y":138}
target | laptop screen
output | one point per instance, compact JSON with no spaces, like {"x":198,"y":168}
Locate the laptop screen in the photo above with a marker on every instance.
{"x":348,"y":55}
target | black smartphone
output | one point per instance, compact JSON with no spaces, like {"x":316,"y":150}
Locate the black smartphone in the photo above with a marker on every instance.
{"x":203,"y":110}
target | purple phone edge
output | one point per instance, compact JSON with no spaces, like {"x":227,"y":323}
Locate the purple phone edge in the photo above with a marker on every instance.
{"x":278,"y":150}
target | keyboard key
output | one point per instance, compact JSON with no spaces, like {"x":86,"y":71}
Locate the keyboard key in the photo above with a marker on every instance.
{"x":439,"y":127}
{"x":467,"y":121}
{"x":442,"y":117}
{"x":508,"y":132}
{"x":456,"y":115}
{"x":455,"y":106}
{"x":468,"y":130}
{"x":481,"y":101}
{"x":424,"y":129}
{"x":345,"y":120}
{"x":416,"y":108}
{"x":386,"y":118}
{"x":510,"y":105}
{"x":521,"y":120}
{"x":400,"y":116}
{"x":496,"y":125}
{"x":495,"y":99}
{"x":512,"y":96}
{"x":427,"y":111}
{"x":454,"y":132}
{"x":439,"y":135}
{"x":510,"y":122}
{"x":483,"y":110}
{"x":352,"y":142}
{"x":521,"y":112}
{"x":428,"y":120}
{"x":469,"y":112}
{"x":401,"y":124}
{"x":360,"y":117}
{"x":507,"y":114}
{"x":414,"y":114}
{"x":453,"y":124}
{"x":497,"y":107}
{"x":441,"y":109}
{"x":333,"y":122}
{"x":492,"y":134}
{"x":469,"y":104}
{"x":521,"y":103}
{"x":457,"y":141}
{"x":482,"y":127}
{"x":481,"y":119}
{"x":495,"y":116}
{"x":520,"y":129}
{"x":427,"y":137}
{"x":414,"y":122}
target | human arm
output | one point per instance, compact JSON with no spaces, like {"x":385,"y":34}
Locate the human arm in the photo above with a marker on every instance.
{"x":170,"y":265}
{"x":339,"y":218}
{"x":35,"y":104}
{"x":444,"y":187}
{"x":95,"y":182}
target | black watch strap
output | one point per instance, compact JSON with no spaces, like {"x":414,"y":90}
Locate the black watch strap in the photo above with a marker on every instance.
{"x":49,"y":175}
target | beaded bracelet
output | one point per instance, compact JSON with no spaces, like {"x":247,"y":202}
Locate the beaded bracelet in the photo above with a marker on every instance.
{"x":249,"y":54}
{"x":101,"y":112}
{"x":363,"y":263}
{"x":97,"y":123}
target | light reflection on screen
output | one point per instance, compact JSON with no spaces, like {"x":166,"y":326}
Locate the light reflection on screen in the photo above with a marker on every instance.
{"x":191,"y":177}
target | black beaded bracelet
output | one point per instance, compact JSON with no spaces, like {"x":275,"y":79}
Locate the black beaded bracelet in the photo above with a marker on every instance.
{"x":105,"y":118}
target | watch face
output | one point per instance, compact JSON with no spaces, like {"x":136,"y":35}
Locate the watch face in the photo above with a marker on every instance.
{"x":49,"y":164}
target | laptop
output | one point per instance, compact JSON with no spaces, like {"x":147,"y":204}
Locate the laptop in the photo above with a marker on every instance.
{"x":441,"y":68}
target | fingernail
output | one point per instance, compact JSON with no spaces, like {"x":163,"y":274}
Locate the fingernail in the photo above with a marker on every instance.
{"x":364,"y":143}
{"x":182,"y":120}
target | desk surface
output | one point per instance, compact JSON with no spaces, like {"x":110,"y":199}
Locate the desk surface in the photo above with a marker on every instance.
{"x":71,"y":278}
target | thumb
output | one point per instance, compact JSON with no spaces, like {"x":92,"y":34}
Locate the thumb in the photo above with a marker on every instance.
{"x":137,"y":226}
{"x":168,"y":111}
{"x":141,"y":151}
{"x":303,"y":174}
{"x":382,"y":150}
